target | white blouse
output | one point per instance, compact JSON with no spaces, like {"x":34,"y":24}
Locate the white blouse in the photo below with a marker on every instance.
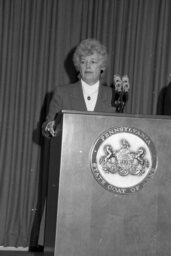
{"x":90,"y":93}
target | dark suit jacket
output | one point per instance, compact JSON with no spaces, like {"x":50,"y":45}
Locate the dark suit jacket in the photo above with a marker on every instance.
{"x":167,"y":101}
{"x":70,"y":97}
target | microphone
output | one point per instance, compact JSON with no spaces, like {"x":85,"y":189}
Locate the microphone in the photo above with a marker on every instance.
{"x":121,"y":92}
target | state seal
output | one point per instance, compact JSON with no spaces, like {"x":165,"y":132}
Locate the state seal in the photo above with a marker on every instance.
{"x":123,"y":159}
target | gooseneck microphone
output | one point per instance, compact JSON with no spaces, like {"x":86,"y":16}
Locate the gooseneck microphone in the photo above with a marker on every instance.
{"x":121,"y":88}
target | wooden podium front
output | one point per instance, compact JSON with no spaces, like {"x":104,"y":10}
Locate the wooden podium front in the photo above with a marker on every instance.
{"x":86,"y":219}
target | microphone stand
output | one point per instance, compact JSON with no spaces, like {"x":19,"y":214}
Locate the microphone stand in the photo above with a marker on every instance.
{"x":120,"y":101}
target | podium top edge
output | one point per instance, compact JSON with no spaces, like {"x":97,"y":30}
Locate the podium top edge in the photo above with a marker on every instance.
{"x":63,"y":112}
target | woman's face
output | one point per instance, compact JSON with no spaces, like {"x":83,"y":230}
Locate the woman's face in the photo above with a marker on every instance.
{"x":90,"y":68}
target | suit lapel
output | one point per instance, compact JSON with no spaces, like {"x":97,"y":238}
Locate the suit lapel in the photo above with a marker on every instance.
{"x":101,"y":100}
{"x":78,"y":98}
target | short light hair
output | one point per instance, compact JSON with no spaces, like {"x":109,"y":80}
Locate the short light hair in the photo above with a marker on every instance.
{"x":88,"y":47}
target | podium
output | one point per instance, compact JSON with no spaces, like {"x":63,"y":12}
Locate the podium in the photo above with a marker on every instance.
{"x":107,"y":195}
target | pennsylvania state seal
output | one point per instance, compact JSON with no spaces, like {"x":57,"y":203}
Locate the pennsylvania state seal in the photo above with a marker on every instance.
{"x":123,"y":159}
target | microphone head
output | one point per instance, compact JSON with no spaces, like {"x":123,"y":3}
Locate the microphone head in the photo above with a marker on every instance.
{"x":125,"y":83}
{"x":118,"y":83}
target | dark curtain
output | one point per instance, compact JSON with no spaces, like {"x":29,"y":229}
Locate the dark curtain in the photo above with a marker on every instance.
{"x":37,"y":39}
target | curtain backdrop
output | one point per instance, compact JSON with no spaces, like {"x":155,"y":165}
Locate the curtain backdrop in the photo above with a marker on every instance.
{"x":37,"y":38}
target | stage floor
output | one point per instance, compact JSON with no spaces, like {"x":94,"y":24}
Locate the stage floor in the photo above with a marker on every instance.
{"x":19,"y":253}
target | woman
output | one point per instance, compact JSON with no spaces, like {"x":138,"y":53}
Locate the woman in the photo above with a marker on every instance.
{"x":88,"y":94}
